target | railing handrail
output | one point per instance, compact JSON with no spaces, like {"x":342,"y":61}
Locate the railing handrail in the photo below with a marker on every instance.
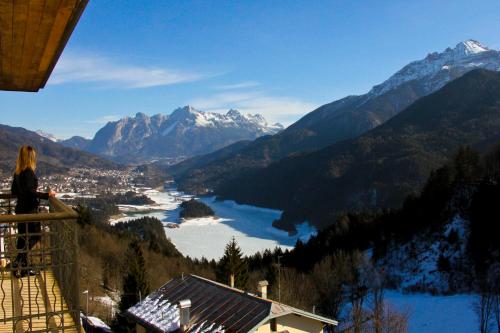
{"x":62,"y":212}
{"x":39,"y":285}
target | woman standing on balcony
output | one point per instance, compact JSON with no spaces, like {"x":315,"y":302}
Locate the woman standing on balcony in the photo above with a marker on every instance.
{"x":24,"y":186}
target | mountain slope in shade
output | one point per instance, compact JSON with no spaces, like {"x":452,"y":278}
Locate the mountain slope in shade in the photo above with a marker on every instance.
{"x":350,"y":116}
{"x":52,"y":157}
{"x":185,"y":132}
{"x":381,"y":167}
{"x":77,"y":142}
{"x":200,"y":160}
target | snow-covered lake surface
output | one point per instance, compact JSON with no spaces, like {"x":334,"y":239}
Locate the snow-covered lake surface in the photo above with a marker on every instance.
{"x":206,"y":237}
{"x":436,"y":314}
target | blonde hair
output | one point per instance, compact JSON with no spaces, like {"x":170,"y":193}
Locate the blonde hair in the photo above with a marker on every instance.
{"x":26,"y":159}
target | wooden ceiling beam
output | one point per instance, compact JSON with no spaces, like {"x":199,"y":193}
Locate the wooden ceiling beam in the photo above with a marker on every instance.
{"x":36,"y":8}
{"x":46,"y":24}
{"x":19,"y":20}
{"x":6,"y":30}
{"x":33,"y":34}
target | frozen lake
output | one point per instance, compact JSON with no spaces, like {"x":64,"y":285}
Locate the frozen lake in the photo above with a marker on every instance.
{"x":206,"y":237}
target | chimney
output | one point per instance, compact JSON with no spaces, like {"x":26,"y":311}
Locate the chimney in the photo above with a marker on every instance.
{"x":184,"y":308}
{"x":262,"y":288}
{"x":231,"y":280}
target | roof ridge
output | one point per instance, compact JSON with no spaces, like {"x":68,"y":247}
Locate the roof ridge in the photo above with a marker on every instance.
{"x":219,"y":284}
{"x":287,"y":308}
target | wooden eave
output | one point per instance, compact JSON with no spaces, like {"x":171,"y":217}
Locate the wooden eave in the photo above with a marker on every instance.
{"x":33,"y":34}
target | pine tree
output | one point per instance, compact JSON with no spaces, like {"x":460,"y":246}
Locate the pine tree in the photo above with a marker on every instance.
{"x":135,"y":286}
{"x":233,"y":263}
{"x":467,"y":165}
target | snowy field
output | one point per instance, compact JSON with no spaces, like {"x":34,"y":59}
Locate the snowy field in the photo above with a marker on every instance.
{"x":436,"y":314}
{"x":206,"y":237}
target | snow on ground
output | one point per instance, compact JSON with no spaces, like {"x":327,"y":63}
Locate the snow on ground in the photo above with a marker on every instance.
{"x":415,"y":264}
{"x":206,"y":237}
{"x":96,"y":323}
{"x":436,"y":314}
{"x":73,"y":195}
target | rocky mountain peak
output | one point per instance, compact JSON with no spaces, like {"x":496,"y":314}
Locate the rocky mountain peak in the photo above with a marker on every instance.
{"x":140,"y":115}
{"x":185,"y":132}
{"x":184,"y":112}
{"x":233,"y":113}
{"x":434,"y":70}
{"x":185,"y":109}
{"x":469,"y":47}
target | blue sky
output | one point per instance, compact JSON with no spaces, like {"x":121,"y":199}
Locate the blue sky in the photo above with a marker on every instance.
{"x":278,"y":58}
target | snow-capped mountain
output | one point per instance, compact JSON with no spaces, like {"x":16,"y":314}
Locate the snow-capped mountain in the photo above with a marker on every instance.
{"x":439,"y":68}
{"x":353,"y":115}
{"x":346,"y":118}
{"x":46,"y":135}
{"x":185,"y":132}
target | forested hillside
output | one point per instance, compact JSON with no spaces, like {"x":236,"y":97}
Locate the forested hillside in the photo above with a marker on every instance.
{"x":444,"y":240}
{"x":381,"y":167}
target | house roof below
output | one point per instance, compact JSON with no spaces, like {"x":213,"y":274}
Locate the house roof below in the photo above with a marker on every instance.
{"x":215,"y":307}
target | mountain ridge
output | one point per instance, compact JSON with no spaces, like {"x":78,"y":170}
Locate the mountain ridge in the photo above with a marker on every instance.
{"x":185,"y":132}
{"x":77,"y":142}
{"x":346,"y":118}
{"x":52,"y":157}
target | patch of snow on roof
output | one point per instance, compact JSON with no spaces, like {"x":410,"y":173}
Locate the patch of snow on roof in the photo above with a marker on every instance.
{"x":96,"y":322}
{"x":204,"y":327}
{"x":157,"y":311}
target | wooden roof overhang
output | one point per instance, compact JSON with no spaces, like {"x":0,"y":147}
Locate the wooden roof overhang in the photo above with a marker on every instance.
{"x":33,"y":34}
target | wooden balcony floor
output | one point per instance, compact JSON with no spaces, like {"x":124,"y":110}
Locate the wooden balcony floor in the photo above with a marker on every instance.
{"x":39,"y":295}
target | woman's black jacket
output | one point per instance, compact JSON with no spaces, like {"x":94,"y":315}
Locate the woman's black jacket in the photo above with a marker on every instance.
{"x":24,"y":186}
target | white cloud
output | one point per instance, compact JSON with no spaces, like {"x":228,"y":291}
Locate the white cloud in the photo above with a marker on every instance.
{"x":104,"y":119}
{"x":240,"y":85}
{"x":110,"y":73}
{"x":274,"y":108}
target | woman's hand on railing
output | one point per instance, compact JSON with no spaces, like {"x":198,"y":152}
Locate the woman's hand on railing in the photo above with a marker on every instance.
{"x":52,"y":193}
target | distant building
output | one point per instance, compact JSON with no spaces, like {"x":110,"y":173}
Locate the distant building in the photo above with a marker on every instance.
{"x":195,"y":304}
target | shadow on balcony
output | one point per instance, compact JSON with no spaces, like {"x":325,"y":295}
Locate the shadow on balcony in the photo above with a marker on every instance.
{"x":46,"y":299}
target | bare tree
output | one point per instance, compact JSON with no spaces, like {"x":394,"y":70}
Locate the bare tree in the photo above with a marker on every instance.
{"x":296,"y":289}
{"x":486,"y":305}
{"x":378,"y":307}
{"x":374,"y":280}
{"x":493,"y":282}
{"x":496,"y":310}
{"x":357,"y":287}
{"x":483,"y":307}
{"x":395,"y":321}
{"x":329,"y":277}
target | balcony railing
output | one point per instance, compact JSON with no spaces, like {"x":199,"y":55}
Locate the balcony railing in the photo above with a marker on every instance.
{"x":39,"y":289}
